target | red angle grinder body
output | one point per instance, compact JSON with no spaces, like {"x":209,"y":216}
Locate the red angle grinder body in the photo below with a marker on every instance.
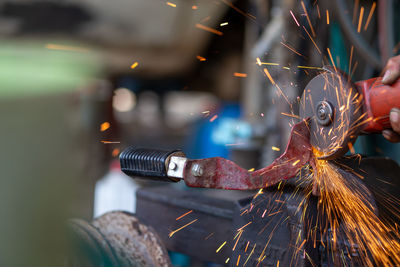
{"x":334,"y":111}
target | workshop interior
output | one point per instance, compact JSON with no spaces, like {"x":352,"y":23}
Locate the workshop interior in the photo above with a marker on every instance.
{"x":199,"y":133}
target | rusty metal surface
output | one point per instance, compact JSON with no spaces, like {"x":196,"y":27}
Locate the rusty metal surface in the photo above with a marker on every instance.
{"x":225,"y":174}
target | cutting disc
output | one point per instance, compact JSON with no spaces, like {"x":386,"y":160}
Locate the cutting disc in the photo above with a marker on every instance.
{"x":334,"y":107}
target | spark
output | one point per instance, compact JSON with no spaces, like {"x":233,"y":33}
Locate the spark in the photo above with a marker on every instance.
{"x":171,"y":4}
{"x":291,"y":49}
{"x":258,"y":61}
{"x":330,"y":56}
{"x":241,"y":228}
{"x":308,"y":19}
{"x":350,"y":145}
{"x":247,"y":245}
{"x":348,"y":201}
{"x":200,"y":58}
{"x":312,"y":40}
{"x":220,"y":247}
{"x":177,"y":230}
{"x":104,"y":126}
{"x":183,"y":215}
{"x":267,"y":63}
{"x":210,"y":235}
{"x":238,"y":10}
{"x":275,"y":148}
{"x":213,"y":118}
{"x":290,"y":115}
{"x":269,"y":76}
{"x":115,"y":152}
{"x":360,"y":19}
{"x":263,"y":214}
{"x":327,"y":17}
{"x":251,"y":253}
{"x":251,"y":170}
{"x":227,"y":260}
{"x":66,"y":48}
{"x":238,"y":260}
{"x":205,"y":112}
{"x":237,"y":240}
{"x":310,"y":67}
{"x":203,"y":27}
{"x":134,"y":65}
{"x":239,"y":74}
{"x":110,"y":142}
{"x":296,"y":162}
{"x":295,"y":20}
{"x":370,"y":15}
{"x":223,"y":24}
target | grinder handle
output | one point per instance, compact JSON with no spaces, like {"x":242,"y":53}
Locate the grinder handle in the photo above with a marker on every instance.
{"x":379,"y":99}
{"x":146,"y":163}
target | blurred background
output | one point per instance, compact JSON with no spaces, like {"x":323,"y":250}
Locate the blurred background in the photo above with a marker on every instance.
{"x":82,"y":80}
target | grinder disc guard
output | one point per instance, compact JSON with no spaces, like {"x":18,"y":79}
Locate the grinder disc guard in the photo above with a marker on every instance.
{"x":334,"y":105}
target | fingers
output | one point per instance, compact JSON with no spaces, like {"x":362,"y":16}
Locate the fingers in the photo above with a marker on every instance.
{"x":391,"y":136}
{"x":392,"y":72}
{"x":395,"y":120}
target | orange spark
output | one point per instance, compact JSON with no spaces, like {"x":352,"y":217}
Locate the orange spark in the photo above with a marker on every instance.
{"x":213,"y":118}
{"x":291,"y":49}
{"x":330,"y":56}
{"x":312,"y":40}
{"x":171,"y":4}
{"x":247,"y":245}
{"x":201,"y":58}
{"x":134,"y":65}
{"x":203,"y":27}
{"x":115,"y":152}
{"x":177,"y":230}
{"x":350,"y":145}
{"x":308,"y":19}
{"x":360,"y":19}
{"x":210,"y":235}
{"x":66,"y":48}
{"x":239,"y":74}
{"x":104,"y":126}
{"x":238,"y":260}
{"x":370,"y":15}
{"x":183,"y":215}
{"x":241,"y":228}
{"x":238,"y":10}
{"x":110,"y":142}
{"x":269,"y":76}
{"x":327,"y":17}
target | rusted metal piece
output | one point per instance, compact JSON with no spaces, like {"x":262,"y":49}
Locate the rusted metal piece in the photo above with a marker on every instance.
{"x":224,"y":174}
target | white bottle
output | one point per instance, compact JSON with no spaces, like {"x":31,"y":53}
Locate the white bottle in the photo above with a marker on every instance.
{"x":115,"y":191}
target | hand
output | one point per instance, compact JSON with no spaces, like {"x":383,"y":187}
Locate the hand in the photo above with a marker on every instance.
{"x":392,"y":73}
